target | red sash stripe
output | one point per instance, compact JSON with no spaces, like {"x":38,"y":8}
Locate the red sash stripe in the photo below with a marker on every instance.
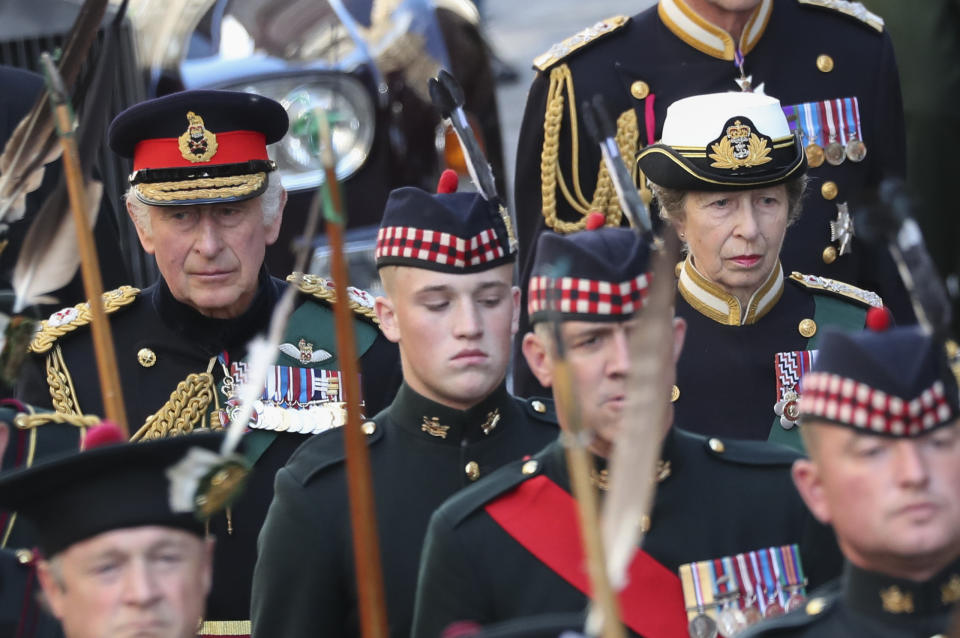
{"x":542,"y":516}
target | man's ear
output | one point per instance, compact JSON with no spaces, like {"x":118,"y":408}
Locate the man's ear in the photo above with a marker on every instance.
{"x":146,"y":237}
{"x":515,"y":321}
{"x":806,"y":476}
{"x":383,"y":306}
{"x":538,"y":358}
{"x":273,"y":229}
{"x":52,"y":590}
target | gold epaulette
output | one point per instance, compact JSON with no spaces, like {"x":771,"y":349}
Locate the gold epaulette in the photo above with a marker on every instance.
{"x":824,"y":284}
{"x":360,"y":301}
{"x":69,"y":319}
{"x":562,"y":49}
{"x":852,"y":9}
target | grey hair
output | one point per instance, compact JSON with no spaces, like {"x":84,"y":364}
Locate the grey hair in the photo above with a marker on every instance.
{"x":670,"y":201}
{"x":270,"y":202}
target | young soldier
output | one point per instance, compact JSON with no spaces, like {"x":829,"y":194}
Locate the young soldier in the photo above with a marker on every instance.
{"x":879,"y":418}
{"x":450,"y":304}
{"x":509,"y":548}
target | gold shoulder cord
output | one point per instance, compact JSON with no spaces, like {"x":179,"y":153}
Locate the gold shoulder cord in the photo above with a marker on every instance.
{"x":182,"y":412}
{"x":605,"y":196}
{"x":318,"y":287}
{"x":62,"y":393}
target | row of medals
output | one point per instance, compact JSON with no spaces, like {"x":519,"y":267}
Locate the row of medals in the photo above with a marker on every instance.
{"x":731,"y":620}
{"x":835,"y":153}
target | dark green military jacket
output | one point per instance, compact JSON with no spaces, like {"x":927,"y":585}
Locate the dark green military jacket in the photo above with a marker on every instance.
{"x":177,"y":369}
{"x":718,"y":499}
{"x":871,"y":605}
{"x":421,"y":452}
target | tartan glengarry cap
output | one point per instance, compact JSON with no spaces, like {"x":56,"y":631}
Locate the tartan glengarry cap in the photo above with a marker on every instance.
{"x":78,"y":495}
{"x":896,"y":383}
{"x":591,"y":275}
{"x":723,"y":141}
{"x":199,"y":147}
{"x":447,"y":232}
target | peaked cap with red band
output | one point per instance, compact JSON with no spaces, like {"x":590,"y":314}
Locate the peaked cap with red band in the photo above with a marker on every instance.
{"x":79,"y":495}
{"x":446,"y":232}
{"x":199,"y":147}
{"x":895,"y":383}
{"x":591,"y":275}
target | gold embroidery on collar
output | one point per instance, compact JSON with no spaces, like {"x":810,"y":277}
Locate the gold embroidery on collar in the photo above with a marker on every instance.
{"x":698,"y":291}
{"x":601,"y":478}
{"x":950,"y":592}
{"x":752,"y":31}
{"x":493,"y":418}
{"x":432,"y":427}
{"x":896,"y":601}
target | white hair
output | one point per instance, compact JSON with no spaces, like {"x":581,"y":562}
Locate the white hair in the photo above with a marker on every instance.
{"x":270,"y":202}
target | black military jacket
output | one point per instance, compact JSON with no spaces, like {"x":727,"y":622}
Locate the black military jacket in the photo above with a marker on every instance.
{"x":421,"y":452}
{"x":641,"y":66}
{"x":867,"y":604}
{"x":162,"y":346}
{"x":21,"y":615}
{"x":720,"y":498}
{"x":727,"y":373}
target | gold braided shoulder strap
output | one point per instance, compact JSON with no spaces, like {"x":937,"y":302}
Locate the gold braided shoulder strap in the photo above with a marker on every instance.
{"x":360,"y":301}
{"x":69,"y":319}
{"x":604,"y":200}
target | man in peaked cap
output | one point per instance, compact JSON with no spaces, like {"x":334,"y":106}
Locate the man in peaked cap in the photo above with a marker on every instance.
{"x":879,"y":416}
{"x":116,"y":559}
{"x":830,"y":62}
{"x":450,"y":304}
{"x":487,"y":558}
{"x":207,"y":201}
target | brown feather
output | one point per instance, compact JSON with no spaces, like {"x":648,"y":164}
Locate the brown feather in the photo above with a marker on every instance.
{"x":33,"y":143}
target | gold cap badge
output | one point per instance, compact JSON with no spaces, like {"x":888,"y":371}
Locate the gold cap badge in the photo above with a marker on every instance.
{"x":197,"y":144}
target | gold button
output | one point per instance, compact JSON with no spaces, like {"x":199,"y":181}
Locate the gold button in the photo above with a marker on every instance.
{"x":368,"y":427}
{"x":829,"y":255}
{"x":146,"y":357}
{"x":829,"y":190}
{"x":717,"y":445}
{"x":24,"y":556}
{"x":825,"y":63}
{"x":644,"y":524}
{"x":473,"y":470}
{"x":639,"y":89}
{"x":816,"y":606}
{"x":529,"y":468}
{"x":538,"y":406}
{"x":674,"y":394}
{"x":807,"y":328}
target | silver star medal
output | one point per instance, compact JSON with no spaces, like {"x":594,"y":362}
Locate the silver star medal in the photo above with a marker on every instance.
{"x":841,"y":229}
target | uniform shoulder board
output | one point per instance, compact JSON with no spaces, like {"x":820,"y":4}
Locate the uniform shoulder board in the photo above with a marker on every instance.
{"x":467,"y":501}
{"x":561,"y":50}
{"x":360,"y":301}
{"x":69,"y":319}
{"x":325,"y":450}
{"x":837,"y":288}
{"x":816,"y":608}
{"x":852,"y":9}
{"x":541,"y":409}
{"x":744,"y":452}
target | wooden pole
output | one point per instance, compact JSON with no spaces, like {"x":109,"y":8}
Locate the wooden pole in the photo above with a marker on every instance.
{"x":110,"y":387}
{"x":366,"y":546}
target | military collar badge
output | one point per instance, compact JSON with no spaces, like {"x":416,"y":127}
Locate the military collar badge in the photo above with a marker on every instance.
{"x":197,"y":144}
